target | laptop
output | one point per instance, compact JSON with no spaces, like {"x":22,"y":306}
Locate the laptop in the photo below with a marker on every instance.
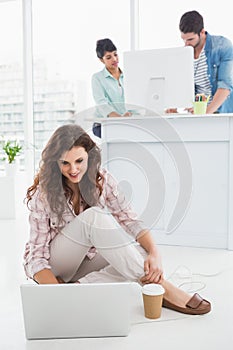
{"x":76,"y":310}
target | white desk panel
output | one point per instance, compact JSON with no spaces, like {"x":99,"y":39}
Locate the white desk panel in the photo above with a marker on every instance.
{"x":177,"y":174}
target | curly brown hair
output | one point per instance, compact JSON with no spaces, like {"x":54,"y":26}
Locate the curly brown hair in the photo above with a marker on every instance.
{"x":53,"y":184}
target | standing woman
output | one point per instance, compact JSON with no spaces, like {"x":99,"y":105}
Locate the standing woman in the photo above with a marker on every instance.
{"x":108,"y":84}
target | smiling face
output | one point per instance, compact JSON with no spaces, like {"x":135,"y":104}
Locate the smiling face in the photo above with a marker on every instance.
{"x":73,"y":164}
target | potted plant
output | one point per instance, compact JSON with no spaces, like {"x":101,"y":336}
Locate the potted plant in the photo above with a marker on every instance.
{"x":12,"y":149}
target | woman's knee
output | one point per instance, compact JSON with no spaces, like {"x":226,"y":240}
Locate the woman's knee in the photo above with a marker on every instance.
{"x":85,"y":218}
{"x":90,"y":213}
{"x":97,"y":217}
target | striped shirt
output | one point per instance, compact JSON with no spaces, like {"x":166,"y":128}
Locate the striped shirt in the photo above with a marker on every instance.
{"x":201,"y":80}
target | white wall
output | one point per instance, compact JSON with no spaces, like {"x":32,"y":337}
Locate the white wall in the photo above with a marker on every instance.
{"x":159,"y":21}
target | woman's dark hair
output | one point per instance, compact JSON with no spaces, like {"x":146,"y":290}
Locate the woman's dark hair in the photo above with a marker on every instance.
{"x":104,"y":45}
{"x":53,"y":185}
{"x":191,"y":22}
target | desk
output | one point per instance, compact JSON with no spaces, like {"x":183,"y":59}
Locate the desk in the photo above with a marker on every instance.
{"x":177,"y":172}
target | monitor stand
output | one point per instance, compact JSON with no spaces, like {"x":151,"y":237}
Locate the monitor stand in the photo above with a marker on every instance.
{"x":155,"y":95}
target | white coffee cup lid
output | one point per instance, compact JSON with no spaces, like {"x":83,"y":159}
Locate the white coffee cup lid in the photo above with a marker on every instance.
{"x":153,"y":289}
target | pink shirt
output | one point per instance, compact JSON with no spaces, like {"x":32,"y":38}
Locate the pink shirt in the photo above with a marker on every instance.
{"x":44,"y":224}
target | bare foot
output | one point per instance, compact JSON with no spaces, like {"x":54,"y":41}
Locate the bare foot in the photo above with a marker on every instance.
{"x":174,"y":294}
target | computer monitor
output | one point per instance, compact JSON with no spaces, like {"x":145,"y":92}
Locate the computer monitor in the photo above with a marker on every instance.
{"x":160,"y":78}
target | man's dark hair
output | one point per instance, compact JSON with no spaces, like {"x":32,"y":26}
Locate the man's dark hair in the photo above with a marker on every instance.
{"x":191,"y":22}
{"x":104,"y":45}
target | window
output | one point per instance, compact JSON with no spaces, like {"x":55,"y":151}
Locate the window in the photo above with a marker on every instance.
{"x":11,"y":75}
{"x":159,"y":22}
{"x":64,"y":38}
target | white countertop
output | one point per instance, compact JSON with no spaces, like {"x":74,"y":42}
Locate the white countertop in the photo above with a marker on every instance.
{"x":166,"y":116}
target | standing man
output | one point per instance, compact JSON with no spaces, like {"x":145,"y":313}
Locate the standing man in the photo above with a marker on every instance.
{"x":213,"y":63}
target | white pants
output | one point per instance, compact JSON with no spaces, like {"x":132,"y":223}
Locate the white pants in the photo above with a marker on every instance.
{"x":119,"y":257}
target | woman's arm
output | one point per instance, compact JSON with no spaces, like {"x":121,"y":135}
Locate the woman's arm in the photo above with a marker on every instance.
{"x":37,"y":251}
{"x":152,"y":265}
{"x":121,"y":210}
{"x":45,"y":276}
{"x":103,"y":106}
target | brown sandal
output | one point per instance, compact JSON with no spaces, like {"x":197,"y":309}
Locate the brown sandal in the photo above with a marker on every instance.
{"x":195,"y":306}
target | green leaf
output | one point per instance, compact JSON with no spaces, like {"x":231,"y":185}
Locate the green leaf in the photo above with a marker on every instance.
{"x":12,"y":149}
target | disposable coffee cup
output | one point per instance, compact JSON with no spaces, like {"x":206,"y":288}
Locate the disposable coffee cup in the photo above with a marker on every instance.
{"x":152,"y":299}
{"x":199,"y":107}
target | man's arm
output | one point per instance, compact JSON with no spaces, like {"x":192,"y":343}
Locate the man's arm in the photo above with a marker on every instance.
{"x":219,"y":98}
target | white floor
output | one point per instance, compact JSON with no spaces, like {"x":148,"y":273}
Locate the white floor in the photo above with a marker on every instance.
{"x":208,"y":271}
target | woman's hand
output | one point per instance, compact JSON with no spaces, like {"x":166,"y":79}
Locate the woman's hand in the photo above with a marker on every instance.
{"x":152,"y":264}
{"x":46,"y":276}
{"x":171,"y":110}
{"x":153,"y":269}
{"x":127,"y":114}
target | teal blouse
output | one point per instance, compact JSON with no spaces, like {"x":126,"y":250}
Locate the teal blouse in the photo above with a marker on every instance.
{"x":108,"y":93}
